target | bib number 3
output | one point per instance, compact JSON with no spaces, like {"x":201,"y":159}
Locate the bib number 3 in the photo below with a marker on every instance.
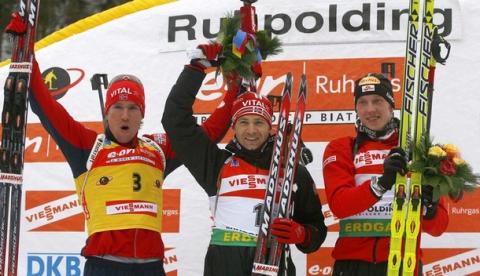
{"x":137,"y":185}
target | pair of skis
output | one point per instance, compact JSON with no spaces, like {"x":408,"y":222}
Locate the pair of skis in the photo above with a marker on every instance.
{"x":277,"y":202}
{"x":416,"y":111}
{"x":14,"y":118}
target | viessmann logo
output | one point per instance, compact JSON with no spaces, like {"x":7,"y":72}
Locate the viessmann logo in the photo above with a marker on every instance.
{"x":60,"y":211}
{"x":451,"y":262}
{"x":53,"y":211}
{"x":171,"y":262}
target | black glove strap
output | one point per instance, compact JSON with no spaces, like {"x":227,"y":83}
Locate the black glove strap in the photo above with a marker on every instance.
{"x":376,"y":188}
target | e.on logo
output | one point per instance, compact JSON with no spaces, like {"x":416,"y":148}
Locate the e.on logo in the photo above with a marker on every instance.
{"x":320,"y":262}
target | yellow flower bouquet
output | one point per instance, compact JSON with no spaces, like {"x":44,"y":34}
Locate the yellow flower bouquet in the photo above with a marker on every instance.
{"x":443,"y":168}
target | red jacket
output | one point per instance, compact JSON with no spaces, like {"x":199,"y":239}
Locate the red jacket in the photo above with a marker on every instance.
{"x":76,"y":141}
{"x":346,"y":197}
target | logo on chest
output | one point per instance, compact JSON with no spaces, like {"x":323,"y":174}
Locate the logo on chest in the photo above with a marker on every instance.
{"x":104,"y":180}
{"x":141,"y":155}
{"x":247,"y":182}
{"x":369,"y":158}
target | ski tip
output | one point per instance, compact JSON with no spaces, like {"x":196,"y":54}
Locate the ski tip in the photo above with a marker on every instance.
{"x":287,"y":90}
{"x":303,"y":87}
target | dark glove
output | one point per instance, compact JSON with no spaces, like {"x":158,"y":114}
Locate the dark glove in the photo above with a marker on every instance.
{"x":306,"y":156}
{"x":16,"y":26}
{"x":288,"y":231}
{"x":395,"y":162}
{"x":429,"y":207}
{"x":211,"y":52}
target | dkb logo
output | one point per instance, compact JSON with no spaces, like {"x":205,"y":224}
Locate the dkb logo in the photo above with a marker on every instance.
{"x":51,"y":264}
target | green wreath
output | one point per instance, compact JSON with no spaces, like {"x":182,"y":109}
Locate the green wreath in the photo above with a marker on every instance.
{"x":242,"y":66}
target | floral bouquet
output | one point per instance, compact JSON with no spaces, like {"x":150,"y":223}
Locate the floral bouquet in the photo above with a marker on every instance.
{"x":243,"y":52}
{"x":443,"y":169}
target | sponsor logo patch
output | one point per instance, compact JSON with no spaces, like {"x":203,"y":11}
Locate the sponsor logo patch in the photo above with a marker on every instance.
{"x":131,"y":207}
{"x":104,"y":180}
{"x":368,"y":88}
{"x":369,"y":80}
{"x":329,"y":160}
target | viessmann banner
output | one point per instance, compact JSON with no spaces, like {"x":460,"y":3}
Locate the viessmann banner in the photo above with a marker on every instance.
{"x":333,"y":42}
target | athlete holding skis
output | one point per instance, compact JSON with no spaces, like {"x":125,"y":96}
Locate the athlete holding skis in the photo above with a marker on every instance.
{"x":235,"y":178}
{"x":359,"y":173}
{"x":118,"y":175}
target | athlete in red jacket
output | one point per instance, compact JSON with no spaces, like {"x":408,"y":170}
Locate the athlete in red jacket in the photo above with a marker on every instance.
{"x":359,"y":173}
{"x":118,"y":174}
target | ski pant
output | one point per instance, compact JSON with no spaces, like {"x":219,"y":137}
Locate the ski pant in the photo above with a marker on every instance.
{"x":362,"y":268}
{"x":101,"y":267}
{"x":235,"y":261}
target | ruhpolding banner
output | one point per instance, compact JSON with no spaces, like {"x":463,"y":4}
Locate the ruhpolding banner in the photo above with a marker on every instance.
{"x":335,"y":42}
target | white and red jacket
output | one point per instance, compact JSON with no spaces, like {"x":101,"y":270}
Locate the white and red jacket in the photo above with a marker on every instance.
{"x":347,"y":185}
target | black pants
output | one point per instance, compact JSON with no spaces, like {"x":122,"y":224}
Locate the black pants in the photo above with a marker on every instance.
{"x":235,"y":261}
{"x":362,"y":268}
{"x":101,"y":267}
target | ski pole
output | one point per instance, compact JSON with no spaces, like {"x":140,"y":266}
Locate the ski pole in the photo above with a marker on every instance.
{"x":438,"y":44}
{"x":97,"y":81}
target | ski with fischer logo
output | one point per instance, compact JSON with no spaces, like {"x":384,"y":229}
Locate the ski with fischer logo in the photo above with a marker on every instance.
{"x":416,"y":111}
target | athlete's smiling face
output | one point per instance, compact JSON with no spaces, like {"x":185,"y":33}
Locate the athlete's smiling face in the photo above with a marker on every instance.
{"x":124,"y":119}
{"x":374,"y":111}
{"x":251,"y":131}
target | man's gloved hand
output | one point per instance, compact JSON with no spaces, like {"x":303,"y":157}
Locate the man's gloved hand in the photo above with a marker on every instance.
{"x":16,"y":26}
{"x":211,"y":52}
{"x":395,"y":162}
{"x":429,"y":206}
{"x":288,"y":231}
{"x":306,"y":156}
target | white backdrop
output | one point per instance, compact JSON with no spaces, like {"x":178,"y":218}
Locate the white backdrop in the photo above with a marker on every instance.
{"x":145,"y":44}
